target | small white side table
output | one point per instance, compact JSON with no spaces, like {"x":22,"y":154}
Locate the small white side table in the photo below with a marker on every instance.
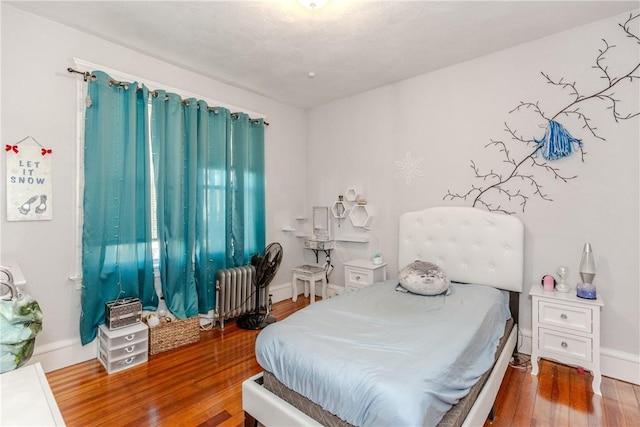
{"x":566,"y":329}
{"x":362,"y":272}
{"x":310,"y":274}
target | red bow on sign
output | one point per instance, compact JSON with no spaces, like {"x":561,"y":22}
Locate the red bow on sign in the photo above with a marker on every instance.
{"x":11,"y":147}
{"x":46,"y":151}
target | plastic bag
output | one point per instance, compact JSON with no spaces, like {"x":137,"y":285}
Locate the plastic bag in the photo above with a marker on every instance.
{"x":20,"y":322}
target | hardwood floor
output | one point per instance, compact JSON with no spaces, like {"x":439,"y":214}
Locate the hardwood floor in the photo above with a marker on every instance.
{"x":561,"y":396}
{"x":200,"y":385}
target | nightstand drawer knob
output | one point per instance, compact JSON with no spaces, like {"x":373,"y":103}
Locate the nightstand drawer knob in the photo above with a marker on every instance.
{"x":563,"y":316}
{"x":564,"y":344}
{"x":357,"y":277}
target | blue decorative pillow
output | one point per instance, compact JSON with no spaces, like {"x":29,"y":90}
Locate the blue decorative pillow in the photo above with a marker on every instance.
{"x":424,"y":278}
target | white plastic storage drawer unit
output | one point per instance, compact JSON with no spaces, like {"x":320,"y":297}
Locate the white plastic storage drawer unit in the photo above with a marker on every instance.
{"x":123,"y":348}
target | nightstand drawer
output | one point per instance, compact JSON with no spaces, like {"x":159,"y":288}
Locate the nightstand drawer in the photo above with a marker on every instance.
{"x":564,"y":344}
{"x":565,"y":316}
{"x":358,"y":276}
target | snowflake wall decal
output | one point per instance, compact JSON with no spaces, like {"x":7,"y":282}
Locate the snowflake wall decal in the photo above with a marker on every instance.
{"x":410,"y":168}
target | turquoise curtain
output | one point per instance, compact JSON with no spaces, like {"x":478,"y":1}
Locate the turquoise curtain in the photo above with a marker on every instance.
{"x":211,"y":218}
{"x":255,"y":190}
{"x":208,"y":167}
{"x":174,"y":139}
{"x":116,"y":239}
{"x":238,"y":160}
{"x":210,"y":184}
{"x":245,"y":195}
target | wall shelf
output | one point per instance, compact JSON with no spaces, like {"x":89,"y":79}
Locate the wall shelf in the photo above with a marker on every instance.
{"x":353,"y":239}
{"x":351,"y":194}
{"x":360,"y":216}
{"x":339,"y":209}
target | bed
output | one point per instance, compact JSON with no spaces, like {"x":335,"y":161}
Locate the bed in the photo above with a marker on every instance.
{"x":303,"y":384}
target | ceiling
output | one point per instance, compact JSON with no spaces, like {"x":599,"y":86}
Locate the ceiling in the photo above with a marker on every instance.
{"x":270,"y":47}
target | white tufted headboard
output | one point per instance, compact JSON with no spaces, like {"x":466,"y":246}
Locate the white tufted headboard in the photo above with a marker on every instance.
{"x":471,"y":245}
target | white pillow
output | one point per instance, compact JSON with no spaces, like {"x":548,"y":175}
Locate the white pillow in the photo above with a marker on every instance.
{"x":424,"y":278}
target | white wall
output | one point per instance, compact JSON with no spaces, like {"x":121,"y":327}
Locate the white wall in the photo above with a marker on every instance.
{"x":38,"y":99}
{"x":447,"y":117}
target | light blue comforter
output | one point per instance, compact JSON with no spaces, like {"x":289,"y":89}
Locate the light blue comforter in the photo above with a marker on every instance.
{"x":378,"y":357}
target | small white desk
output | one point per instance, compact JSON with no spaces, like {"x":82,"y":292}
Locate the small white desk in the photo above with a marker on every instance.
{"x":27,"y":399}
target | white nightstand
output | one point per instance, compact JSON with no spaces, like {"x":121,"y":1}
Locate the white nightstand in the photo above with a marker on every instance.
{"x":361,"y":272}
{"x":566,"y":329}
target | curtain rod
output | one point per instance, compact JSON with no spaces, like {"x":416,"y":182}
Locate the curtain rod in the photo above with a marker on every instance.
{"x":87,"y":75}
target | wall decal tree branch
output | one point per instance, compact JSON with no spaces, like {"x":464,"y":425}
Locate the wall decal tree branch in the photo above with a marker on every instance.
{"x":523,"y":185}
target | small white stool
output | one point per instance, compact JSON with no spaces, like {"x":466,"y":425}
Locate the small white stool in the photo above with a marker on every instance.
{"x":310,"y":274}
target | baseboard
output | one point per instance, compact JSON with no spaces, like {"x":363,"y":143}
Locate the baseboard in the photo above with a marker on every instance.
{"x":280,"y":292}
{"x":69,"y":352}
{"x":524,"y":341}
{"x":285,"y":291}
{"x":62,"y":354}
{"x":613,"y":363}
{"x":620,"y":365}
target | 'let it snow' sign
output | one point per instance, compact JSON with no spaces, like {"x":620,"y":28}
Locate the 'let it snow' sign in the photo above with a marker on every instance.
{"x":28,"y":181}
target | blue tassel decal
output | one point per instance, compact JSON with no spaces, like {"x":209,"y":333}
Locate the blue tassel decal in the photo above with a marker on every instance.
{"x":557,"y":142}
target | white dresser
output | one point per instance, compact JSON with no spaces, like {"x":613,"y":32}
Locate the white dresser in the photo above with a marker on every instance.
{"x":361,"y":272}
{"x":566,"y":329}
{"x":27,"y":399}
{"x":123,"y":348}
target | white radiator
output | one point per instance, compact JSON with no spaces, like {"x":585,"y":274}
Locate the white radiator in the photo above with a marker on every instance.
{"x":235,"y":293}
